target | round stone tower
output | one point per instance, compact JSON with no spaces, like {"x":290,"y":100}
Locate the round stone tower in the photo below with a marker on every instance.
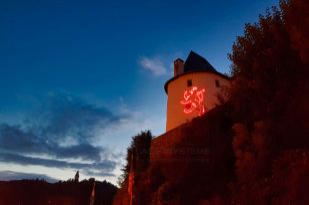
{"x":193,"y":90}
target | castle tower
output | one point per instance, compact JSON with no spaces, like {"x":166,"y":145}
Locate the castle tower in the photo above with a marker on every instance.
{"x":193,"y":90}
{"x":76,"y":176}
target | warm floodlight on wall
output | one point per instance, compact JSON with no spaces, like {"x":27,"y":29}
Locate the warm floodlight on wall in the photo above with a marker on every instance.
{"x":193,"y":100}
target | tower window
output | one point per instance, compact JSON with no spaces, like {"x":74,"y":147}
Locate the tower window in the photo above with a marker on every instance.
{"x":189,"y":83}
{"x":217,"y":83}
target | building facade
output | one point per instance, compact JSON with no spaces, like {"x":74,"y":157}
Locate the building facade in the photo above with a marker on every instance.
{"x":194,"y":89}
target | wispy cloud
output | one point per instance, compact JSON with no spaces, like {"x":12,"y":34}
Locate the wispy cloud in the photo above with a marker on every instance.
{"x":64,"y":130}
{"x":160,"y":64}
{"x":10,"y":175}
{"x":105,"y":166}
{"x":155,"y":65}
{"x":66,"y":133}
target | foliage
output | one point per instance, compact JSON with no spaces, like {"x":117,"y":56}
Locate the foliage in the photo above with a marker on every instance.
{"x":270,"y":96}
{"x":140,"y":150}
{"x":268,"y":69}
{"x":37,"y":192}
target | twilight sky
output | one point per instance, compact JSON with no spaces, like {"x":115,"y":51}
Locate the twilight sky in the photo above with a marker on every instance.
{"x":78,"y":79}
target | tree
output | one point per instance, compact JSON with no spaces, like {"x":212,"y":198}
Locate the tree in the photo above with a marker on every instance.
{"x":140,"y":149}
{"x":269,"y":94}
{"x":268,"y":67}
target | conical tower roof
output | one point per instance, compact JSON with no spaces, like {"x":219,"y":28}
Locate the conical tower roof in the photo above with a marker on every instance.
{"x":196,"y":62}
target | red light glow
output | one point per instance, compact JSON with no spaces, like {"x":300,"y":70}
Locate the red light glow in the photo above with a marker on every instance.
{"x":193,"y":100}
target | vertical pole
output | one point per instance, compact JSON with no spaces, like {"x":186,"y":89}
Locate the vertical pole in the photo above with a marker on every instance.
{"x":131,"y":180}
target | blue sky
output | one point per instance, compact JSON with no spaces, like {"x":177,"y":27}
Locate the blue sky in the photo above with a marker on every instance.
{"x":79,"y":78}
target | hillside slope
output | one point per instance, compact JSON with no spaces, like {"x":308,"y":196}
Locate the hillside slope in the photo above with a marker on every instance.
{"x":39,"y":192}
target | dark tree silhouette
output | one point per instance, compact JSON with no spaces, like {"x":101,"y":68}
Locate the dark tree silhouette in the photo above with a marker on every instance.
{"x":40,"y":192}
{"x":270,"y":94}
{"x":140,"y":149}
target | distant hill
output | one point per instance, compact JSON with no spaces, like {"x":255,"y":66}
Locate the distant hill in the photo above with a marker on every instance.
{"x":40,"y":192}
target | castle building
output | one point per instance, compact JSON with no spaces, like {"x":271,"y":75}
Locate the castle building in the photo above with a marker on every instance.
{"x":76,"y":178}
{"x":193,"y":90}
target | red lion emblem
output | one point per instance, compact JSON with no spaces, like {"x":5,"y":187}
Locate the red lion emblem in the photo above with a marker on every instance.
{"x":193,"y":100}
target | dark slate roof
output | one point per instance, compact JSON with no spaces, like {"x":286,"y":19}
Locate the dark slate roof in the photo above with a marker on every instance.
{"x":196,"y":63}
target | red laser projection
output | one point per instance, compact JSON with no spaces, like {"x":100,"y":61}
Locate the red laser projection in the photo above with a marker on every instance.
{"x":193,"y":100}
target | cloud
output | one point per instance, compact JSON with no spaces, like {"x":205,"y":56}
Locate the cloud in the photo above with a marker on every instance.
{"x":10,"y":175}
{"x":105,"y":166}
{"x":155,"y":65}
{"x":15,"y":139}
{"x":99,"y":173}
{"x":63,"y":129}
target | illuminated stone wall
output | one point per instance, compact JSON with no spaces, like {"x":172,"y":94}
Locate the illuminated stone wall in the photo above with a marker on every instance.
{"x":177,"y":87}
{"x":202,"y":146}
{"x":206,"y":142}
{"x":122,"y":197}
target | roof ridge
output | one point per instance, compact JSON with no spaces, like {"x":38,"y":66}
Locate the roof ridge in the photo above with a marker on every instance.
{"x":195,"y":61}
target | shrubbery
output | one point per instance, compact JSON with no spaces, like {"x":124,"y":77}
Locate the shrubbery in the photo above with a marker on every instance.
{"x":40,"y":192}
